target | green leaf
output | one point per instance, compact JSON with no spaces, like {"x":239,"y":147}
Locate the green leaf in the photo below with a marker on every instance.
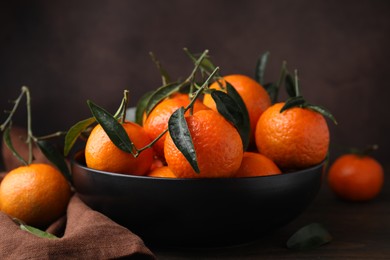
{"x":55,"y":156}
{"x":8,"y":142}
{"x":273,"y":91}
{"x":141,"y":106}
{"x":231,"y":106}
{"x":74,"y":133}
{"x":226,"y":106}
{"x":181,"y":137}
{"x":260,"y":67}
{"x":323,"y":111}
{"x":112,"y":127}
{"x":207,"y":65}
{"x":310,"y":236}
{"x":298,"y":101}
{"x":160,"y":94}
{"x":290,"y":85}
{"x":37,"y":232}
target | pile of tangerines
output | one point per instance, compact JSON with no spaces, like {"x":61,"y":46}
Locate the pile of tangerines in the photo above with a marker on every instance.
{"x":206,"y":126}
{"x":229,"y":127}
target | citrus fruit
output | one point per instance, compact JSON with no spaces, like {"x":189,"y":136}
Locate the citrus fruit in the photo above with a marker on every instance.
{"x":102,"y":154}
{"x":37,"y":194}
{"x":294,"y":139}
{"x":162,"y":172}
{"x":217,"y":144}
{"x":255,"y":97}
{"x":356,"y":177}
{"x":256,"y":164}
{"x":157,"y":120}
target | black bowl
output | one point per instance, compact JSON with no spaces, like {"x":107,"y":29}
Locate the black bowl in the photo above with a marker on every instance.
{"x":197,"y":212}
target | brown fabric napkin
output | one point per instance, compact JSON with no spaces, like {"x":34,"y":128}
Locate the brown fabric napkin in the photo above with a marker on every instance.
{"x":83,"y":233}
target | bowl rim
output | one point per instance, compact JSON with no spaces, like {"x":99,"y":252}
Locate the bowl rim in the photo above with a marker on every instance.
{"x":74,"y":161}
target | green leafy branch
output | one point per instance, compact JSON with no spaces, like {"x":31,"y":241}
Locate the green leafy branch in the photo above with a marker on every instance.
{"x":114,"y":129}
{"x":51,"y":153}
{"x":229,"y":104}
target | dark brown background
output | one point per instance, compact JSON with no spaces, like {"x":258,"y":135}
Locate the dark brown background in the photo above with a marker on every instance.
{"x":71,"y":51}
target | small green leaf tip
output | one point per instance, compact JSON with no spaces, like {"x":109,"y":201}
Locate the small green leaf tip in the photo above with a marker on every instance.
{"x":308,"y":237}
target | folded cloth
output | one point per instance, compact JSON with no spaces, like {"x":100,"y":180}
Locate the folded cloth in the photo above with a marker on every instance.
{"x":83,"y":234}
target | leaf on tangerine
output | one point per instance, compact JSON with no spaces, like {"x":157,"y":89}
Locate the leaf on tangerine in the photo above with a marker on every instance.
{"x":323,"y":111}
{"x":141,"y":107}
{"x":160,"y":94}
{"x":112,"y":127}
{"x":308,"y":237}
{"x":181,"y":137}
{"x":231,"y":106}
{"x":293,"y":102}
{"x":289,"y":84}
{"x":260,"y":67}
{"x":55,"y":156}
{"x":8,"y":142}
{"x":74,"y":132}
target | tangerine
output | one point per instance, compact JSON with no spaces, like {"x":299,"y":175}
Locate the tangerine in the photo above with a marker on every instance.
{"x":355,"y":177}
{"x":37,"y":194}
{"x":217,"y":144}
{"x":162,"y":172}
{"x":102,"y":154}
{"x":157,"y":120}
{"x":256,"y":164}
{"x":255,"y":97}
{"x":294,"y":139}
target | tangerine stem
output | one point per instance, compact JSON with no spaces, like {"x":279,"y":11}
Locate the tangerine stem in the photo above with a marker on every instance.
{"x":56,"y":134}
{"x":191,"y":77}
{"x":121,"y":112}
{"x":12,"y":112}
{"x":125,"y":103}
{"x":199,"y":91}
{"x":29,"y":122}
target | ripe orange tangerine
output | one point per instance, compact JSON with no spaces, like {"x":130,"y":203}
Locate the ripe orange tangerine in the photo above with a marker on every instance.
{"x":218,"y":146}
{"x":256,"y":164}
{"x":356,"y":177}
{"x":294,"y":139}
{"x":37,"y":194}
{"x":102,"y":154}
{"x":162,"y":172}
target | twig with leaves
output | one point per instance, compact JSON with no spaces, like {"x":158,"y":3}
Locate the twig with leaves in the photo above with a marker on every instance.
{"x":51,"y":153}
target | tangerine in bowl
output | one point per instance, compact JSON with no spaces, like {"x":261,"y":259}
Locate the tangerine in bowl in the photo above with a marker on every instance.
{"x":189,"y":212}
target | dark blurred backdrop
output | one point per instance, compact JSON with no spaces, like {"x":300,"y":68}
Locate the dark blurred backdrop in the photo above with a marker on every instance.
{"x":69,"y":51}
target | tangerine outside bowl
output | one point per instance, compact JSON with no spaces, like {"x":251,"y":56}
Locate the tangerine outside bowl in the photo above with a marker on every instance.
{"x":197,"y":212}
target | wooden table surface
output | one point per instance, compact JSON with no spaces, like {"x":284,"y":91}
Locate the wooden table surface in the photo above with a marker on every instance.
{"x":359,"y":230}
